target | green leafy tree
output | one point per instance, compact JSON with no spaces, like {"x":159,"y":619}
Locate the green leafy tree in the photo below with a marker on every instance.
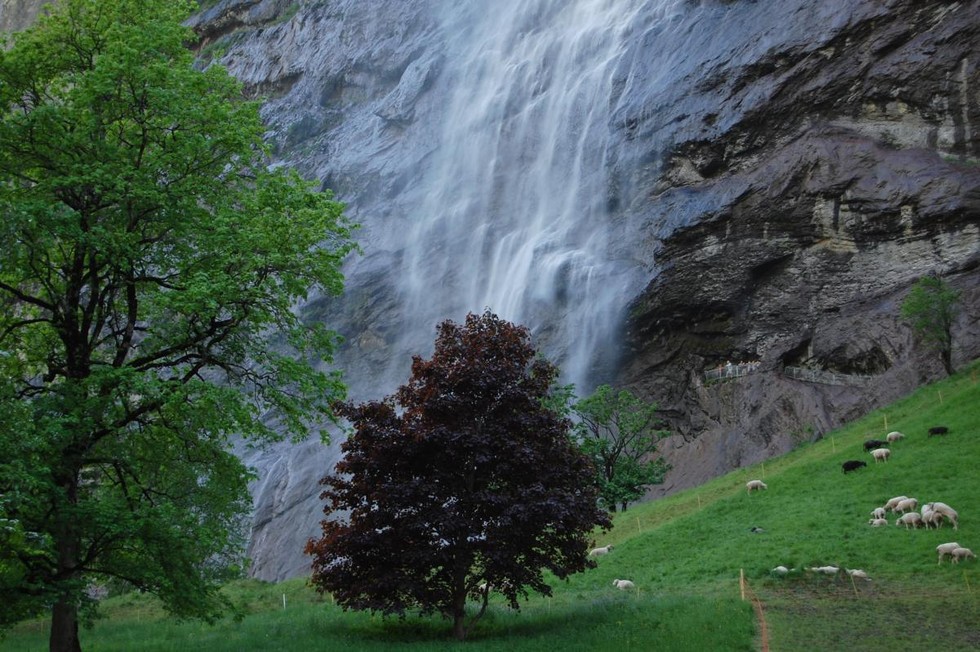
{"x":147,"y":258}
{"x":461,"y":484}
{"x":931,"y":308}
{"x":619,"y":432}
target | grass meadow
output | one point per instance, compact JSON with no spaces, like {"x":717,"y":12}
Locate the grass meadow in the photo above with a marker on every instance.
{"x":686,"y":554}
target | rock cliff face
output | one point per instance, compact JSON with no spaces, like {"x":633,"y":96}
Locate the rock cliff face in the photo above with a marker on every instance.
{"x":698,"y":182}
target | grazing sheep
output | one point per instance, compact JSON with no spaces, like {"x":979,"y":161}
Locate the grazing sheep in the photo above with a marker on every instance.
{"x":938,"y":430}
{"x":894,"y":501}
{"x":931,"y":518}
{"x":962,"y":553}
{"x":858,"y":573}
{"x":906,"y":505}
{"x":871,"y":444}
{"x":911,"y":519}
{"x":752,"y":485}
{"x":944,"y":549}
{"x":599,"y":552}
{"x":878,"y":522}
{"x":826,"y":570}
{"x":894,"y":436}
{"x":623,"y":585}
{"x":756,"y":530}
{"x":948,"y":512}
{"x":878,"y":512}
{"x":880,"y":454}
{"x":779,"y":570}
{"x":852,"y":465}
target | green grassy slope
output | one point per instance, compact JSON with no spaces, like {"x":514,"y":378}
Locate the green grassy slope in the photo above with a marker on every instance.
{"x":685,"y":554}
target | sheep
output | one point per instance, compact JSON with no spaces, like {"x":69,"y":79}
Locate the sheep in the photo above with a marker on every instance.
{"x":623,"y":585}
{"x":944,"y":549}
{"x":858,"y":573}
{"x":880,"y":454}
{"x":779,"y":570}
{"x":906,"y":505}
{"x":874,"y":443}
{"x":894,"y":436}
{"x":962,"y":553}
{"x":912,"y":518}
{"x":599,"y":552}
{"x":878,"y":512}
{"x":938,"y":430}
{"x":852,"y":465}
{"x":948,"y":512}
{"x":932,"y":518}
{"x":894,"y":501}
{"x":826,"y":570}
{"x":752,"y":485}
{"x":878,"y":522}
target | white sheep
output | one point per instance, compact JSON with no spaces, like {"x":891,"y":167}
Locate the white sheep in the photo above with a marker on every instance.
{"x":931,"y":518}
{"x":913,"y":519}
{"x":858,"y":573}
{"x":878,"y":512}
{"x":962,"y":553}
{"x":623,"y":585}
{"x":599,"y":552}
{"x":894,"y":436}
{"x":907,"y":505}
{"x":752,"y":485}
{"x":880,"y":454}
{"x":894,"y":501}
{"x":944,"y":549}
{"x":779,"y":570}
{"x":948,"y":512}
{"x":878,"y":522}
{"x":826,"y":570}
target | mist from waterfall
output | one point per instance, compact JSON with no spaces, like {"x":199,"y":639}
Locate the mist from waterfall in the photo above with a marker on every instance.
{"x":517,"y":209}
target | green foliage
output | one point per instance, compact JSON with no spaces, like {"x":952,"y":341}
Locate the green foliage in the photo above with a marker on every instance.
{"x":148,"y":254}
{"x":931,"y":308}
{"x":619,"y":433}
{"x":460,"y":485}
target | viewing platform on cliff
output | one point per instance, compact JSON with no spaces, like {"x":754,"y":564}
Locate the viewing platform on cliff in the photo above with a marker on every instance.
{"x":726,"y":371}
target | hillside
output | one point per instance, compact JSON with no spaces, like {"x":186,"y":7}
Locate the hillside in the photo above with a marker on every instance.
{"x":685,"y":553}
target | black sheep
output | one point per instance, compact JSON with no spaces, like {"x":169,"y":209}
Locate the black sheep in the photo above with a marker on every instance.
{"x":938,"y":430}
{"x":872,"y":444}
{"x":852,"y":465}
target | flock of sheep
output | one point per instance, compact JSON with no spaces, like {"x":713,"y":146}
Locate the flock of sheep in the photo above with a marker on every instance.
{"x":932,"y":515}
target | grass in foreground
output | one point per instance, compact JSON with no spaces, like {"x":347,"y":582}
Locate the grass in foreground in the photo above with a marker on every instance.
{"x":685,"y":553}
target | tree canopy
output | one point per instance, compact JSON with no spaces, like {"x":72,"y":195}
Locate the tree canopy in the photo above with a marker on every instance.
{"x":619,"y":432}
{"x":459,"y":484}
{"x":150,"y":262}
{"x":930,"y":308}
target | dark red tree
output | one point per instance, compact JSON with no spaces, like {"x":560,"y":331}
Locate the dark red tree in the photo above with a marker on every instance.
{"x":461,"y":484}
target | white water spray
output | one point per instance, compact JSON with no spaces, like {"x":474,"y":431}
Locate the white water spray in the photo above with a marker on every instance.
{"x":516,"y":217}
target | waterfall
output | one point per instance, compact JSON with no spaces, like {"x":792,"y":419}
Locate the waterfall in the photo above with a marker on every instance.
{"x":517,"y":205}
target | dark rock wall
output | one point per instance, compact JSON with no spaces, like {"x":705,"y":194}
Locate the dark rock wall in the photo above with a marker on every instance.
{"x":847,"y":169}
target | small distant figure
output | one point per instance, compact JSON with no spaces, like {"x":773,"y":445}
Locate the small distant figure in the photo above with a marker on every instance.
{"x":852,"y":465}
{"x":938,"y":430}
{"x":753,"y":485}
{"x":756,"y":530}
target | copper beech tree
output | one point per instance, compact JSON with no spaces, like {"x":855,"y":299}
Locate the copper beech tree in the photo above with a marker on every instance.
{"x":460,"y":484}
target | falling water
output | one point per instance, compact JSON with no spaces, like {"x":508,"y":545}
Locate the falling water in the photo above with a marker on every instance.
{"x":517,"y":211}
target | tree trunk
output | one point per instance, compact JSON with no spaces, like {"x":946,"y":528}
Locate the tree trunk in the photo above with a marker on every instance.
{"x":64,"y":627}
{"x":64,"y":614}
